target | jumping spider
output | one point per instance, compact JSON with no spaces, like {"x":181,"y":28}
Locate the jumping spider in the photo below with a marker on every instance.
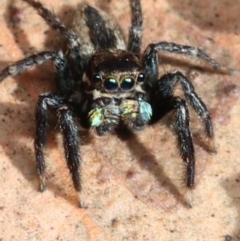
{"x":103,"y":83}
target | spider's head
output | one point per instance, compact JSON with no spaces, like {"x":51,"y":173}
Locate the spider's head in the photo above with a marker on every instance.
{"x":115,"y":72}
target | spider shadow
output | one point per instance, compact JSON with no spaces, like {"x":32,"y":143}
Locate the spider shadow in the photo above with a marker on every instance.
{"x":52,"y":41}
{"x":231,"y":186}
{"x":139,"y":150}
{"x":20,"y":155}
{"x":13,"y":24}
{"x":219,"y":16}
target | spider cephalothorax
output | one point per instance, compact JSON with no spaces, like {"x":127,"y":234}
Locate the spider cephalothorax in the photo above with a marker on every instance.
{"x":103,"y":83}
{"x":115,"y":82}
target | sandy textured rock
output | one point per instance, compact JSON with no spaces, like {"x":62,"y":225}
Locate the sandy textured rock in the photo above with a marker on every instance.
{"x":132,"y":187}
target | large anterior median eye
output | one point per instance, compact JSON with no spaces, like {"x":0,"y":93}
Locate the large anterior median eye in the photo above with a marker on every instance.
{"x":110,"y":84}
{"x":127,"y":83}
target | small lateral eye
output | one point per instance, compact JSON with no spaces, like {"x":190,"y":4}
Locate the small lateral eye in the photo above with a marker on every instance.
{"x":127,"y":83}
{"x":141,"y":77}
{"x":110,"y":84}
{"x":96,"y":78}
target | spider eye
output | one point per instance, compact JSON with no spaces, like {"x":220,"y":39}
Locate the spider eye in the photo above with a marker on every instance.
{"x":127,"y":83}
{"x":110,"y":84}
{"x":96,"y":78}
{"x":140,"y":77}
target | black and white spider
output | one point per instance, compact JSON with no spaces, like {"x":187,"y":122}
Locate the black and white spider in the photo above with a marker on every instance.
{"x":103,"y":83}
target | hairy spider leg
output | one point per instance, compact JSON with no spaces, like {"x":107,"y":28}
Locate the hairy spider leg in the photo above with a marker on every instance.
{"x":44,"y":102}
{"x":64,"y":78}
{"x":151,"y":62}
{"x":135,"y":31}
{"x":163,"y":101}
{"x":165,"y":87}
{"x":64,"y":83}
{"x":24,"y":64}
{"x":70,"y":137}
{"x":71,"y":143}
{"x":54,"y":22}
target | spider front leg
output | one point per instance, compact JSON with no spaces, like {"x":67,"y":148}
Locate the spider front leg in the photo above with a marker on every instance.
{"x":44,"y":102}
{"x":71,"y":144}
